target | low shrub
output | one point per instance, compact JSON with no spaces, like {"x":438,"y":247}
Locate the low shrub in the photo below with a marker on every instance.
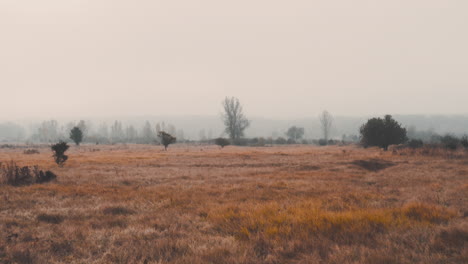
{"x":450,"y":142}
{"x":222,"y":142}
{"x":31,"y":151}
{"x":322,"y":142}
{"x":15,"y":175}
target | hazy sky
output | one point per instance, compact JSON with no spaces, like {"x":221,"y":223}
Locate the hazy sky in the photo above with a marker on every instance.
{"x":280,"y":58}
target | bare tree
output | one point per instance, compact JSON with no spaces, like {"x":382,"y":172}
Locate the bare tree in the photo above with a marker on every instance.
{"x":326,"y":121}
{"x":234,"y":118}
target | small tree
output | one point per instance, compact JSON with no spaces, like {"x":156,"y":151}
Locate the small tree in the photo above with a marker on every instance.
{"x":59,"y":152}
{"x":295,"y":133}
{"x":234,"y":118}
{"x":382,"y":132}
{"x":166,"y":139}
{"x":222,"y":142}
{"x":76,"y":135}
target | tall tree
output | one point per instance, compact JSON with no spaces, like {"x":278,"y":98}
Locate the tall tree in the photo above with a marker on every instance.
{"x":326,"y":122}
{"x":234,"y":118}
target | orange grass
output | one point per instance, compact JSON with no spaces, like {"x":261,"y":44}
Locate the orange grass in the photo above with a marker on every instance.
{"x":202,"y":204}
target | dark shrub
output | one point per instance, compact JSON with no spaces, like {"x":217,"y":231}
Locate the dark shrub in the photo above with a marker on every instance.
{"x":59,"y":152}
{"x":47,"y":176}
{"x":322,"y":142}
{"x":222,"y":142}
{"x":382,"y":132}
{"x":450,"y":142}
{"x":17,"y":176}
{"x":415,"y":143}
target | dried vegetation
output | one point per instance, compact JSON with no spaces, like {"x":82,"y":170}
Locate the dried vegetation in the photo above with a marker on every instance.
{"x":294,"y":204}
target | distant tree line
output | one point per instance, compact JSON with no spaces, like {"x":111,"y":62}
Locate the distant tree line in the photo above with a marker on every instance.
{"x":51,"y":131}
{"x":381,"y":132}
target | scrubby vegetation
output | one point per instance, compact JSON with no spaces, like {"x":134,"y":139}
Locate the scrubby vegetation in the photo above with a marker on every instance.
{"x":15,"y":175}
{"x":31,"y":151}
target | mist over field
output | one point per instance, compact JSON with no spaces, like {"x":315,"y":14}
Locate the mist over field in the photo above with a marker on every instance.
{"x":236,"y":132}
{"x":209,"y":127}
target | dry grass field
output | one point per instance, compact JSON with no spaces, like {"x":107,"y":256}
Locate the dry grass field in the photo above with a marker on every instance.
{"x":202,"y":204}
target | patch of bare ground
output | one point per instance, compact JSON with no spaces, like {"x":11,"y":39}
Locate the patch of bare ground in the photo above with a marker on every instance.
{"x":202,"y":204}
{"x":373,"y":164}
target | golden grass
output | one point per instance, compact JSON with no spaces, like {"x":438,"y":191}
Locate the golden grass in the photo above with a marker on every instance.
{"x":202,"y":204}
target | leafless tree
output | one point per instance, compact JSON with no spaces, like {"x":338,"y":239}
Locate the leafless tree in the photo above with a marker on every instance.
{"x":326,"y":122}
{"x":234,"y":118}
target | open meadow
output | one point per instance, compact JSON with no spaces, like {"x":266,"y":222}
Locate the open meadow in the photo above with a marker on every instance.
{"x":204,"y":204}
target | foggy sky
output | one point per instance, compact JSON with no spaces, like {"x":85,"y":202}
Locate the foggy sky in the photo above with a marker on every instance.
{"x":280,"y":58}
